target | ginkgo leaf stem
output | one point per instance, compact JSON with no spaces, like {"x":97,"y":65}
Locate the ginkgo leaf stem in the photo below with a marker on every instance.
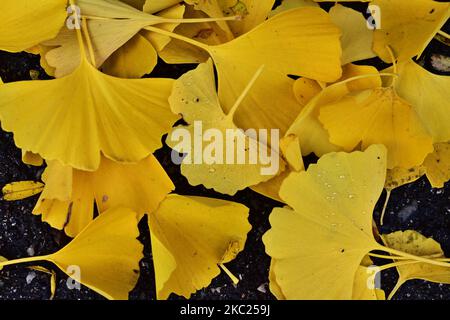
{"x":158,"y":20}
{"x":394,"y":62}
{"x":244,"y":94}
{"x":229,"y":274}
{"x":179,"y":37}
{"x":388,"y":257}
{"x":443,"y":259}
{"x":444,"y":34}
{"x":363,"y":76}
{"x":413,"y":257}
{"x":78,"y":31}
{"x":391,"y":257}
{"x":395,"y":264}
{"x":202,"y":20}
{"x":88,"y":41}
{"x":22,"y":260}
{"x":394,"y":291}
{"x":386,"y":201}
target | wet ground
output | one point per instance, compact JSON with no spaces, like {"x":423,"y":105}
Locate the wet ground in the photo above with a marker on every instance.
{"x":415,"y":206}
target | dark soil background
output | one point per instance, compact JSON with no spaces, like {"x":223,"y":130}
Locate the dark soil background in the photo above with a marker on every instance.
{"x":415,"y":206}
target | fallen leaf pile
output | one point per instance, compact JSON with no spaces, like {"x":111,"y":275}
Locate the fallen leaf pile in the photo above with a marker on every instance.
{"x":289,"y":67}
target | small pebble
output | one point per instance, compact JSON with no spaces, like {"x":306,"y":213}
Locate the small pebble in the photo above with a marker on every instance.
{"x":30,"y":251}
{"x":262,"y":288}
{"x":30,"y":277}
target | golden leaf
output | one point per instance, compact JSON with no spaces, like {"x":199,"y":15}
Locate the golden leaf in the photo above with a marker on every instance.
{"x":319,"y":244}
{"x":21,"y":190}
{"x":106,"y":254}
{"x":192,"y":235}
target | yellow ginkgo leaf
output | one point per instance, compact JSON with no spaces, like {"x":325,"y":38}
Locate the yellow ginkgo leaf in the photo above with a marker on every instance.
{"x":356,"y":37}
{"x":378,"y":116}
{"x":68,"y":198}
{"x":319,"y":244}
{"x":414,"y":243}
{"x":407,"y":26}
{"x":134,"y":59}
{"x":77,"y":118}
{"x":428,"y":94}
{"x":104,"y":256}
{"x":437,"y":165}
{"x":225,"y":164}
{"x":25,"y":23}
{"x":21,"y":190}
{"x":196,"y":233}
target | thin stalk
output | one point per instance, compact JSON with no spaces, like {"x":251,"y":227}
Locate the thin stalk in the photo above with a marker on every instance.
{"x":394,"y":62}
{"x":363,"y":76}
{"x":385,"y":256}
{"x":247,"y":89}
{"x":179,"y":37}
{"x":444,"y":34}
{"x":394,"y":291}
{"x":95,"y":17}
{"x":436,"y":256}
{"x":202,"y":20}
{"x":388,"y":195}
{"x":168,"y":20}
{"x":413,"y":257}
{"x":88,"y":41}
{"x":395,"y":264}
{"x":443,"y":259}
{"x":22,"y":260}
{"x":78,"y":31}
{"x":229,"y":274}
